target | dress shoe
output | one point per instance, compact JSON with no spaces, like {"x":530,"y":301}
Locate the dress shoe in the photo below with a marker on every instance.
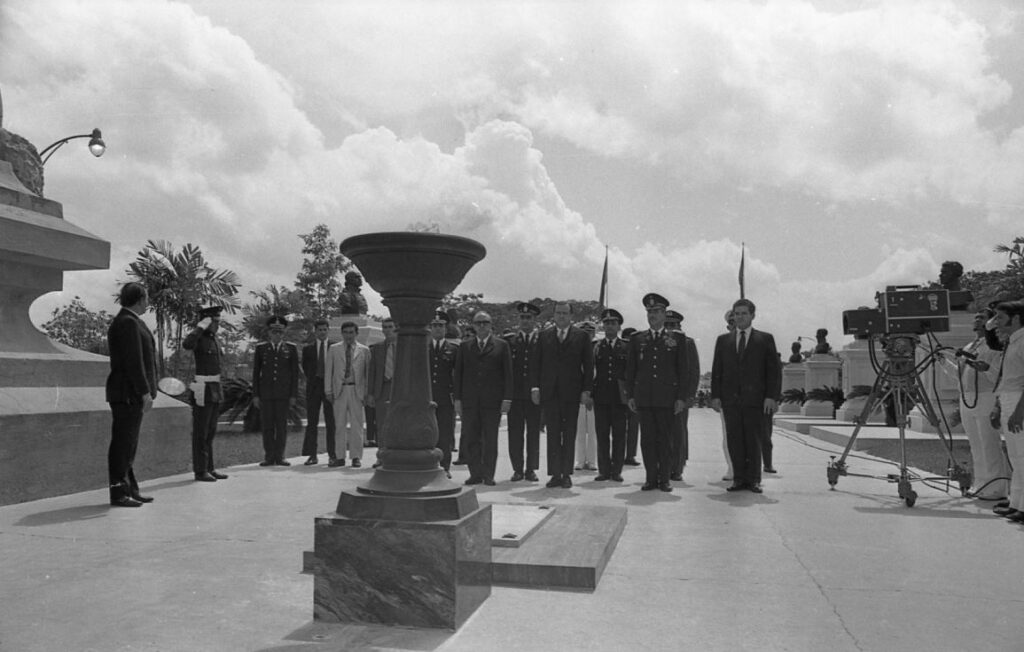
{"x":555,"y":481}
{"x":665,"y":486}
{"x":142,"y":499}
{"x":727,"y":478}
{"x":678,"y":477}
{"x":578,"y":467}
{"x":377,"y":465}
{"x":517,"y":476}
{"x":472,"y":481}
{"x":587,"y":466}
{"x":1003,"y":511}
{"x":756,"y":488}
{"x":267,"y":463}
{"x":125,"y":501}
{"x":283,"y":462}
{"x":736,"y":487}
{"x":770,"y":469}
{"x":448,"y":473}
{"x":566,"y":482}
{"x":205,"y":477}
{"x":334,"y":462}
{"x":600,"y":478}
{"x":1016,"y":517}
{"x":649,"y":486}
{"x":356,"y":463}
{"x":489,"y":482}
{"x":532,"y":476}
{"x":631,"y":461}
{"x":459,"y":462}
{"x":311,"y":461}
{"x":219,"y":476}
{"x":1002,"y":503}
{"x":617,"y":478}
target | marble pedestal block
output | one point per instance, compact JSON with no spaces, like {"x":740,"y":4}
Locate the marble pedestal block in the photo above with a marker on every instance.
{"x":822,"y":371}
{"x":432,"y":574}
{"x":792,"y":378}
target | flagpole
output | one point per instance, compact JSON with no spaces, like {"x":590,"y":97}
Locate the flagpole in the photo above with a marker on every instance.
{"x":743,"y":249}
{"x":603,"y":298}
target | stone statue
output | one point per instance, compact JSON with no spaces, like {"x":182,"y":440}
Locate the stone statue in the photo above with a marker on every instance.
{"x":23,"y":157}
{"x":822,"y":346}
{"x":949,"y":275}
{"x":796,"y":358}
{"x":352,"y":301}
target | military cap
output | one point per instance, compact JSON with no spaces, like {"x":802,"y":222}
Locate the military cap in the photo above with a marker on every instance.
{"x":654,"y":300}
{"x":611,"y":313}
{"x":277,"y":321}
{"x":627,"y":332}
{"x":210,"y":311}
{"x":440,"y":317}
{"x":587,"y":326}
{"x":673,"y":316}
{"x":526,"y":308}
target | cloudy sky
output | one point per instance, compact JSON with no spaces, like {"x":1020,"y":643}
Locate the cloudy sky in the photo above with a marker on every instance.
{"x":850,"y":145}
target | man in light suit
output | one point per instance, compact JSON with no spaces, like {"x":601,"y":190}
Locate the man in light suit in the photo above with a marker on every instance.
{"x":482,"y":392}
{"x":561,"y":380}
{"x":131,"y":388}
{"x":346,"y":375}
{"x":314,"y":363}
{"x":275,"y":386}
{"x":744,"y":383}
{"x":681,"y":428}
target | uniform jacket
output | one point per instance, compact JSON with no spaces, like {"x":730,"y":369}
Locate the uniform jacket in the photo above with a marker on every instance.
{"x":275,"y":375}
{"x":334,"y":374}
{"x":132,"y":359}
{"x":563,"y":370}
{"x":610,"y":371}
{"x":442,"y":371}
{"x":746,"y":381}
{"x":309,"y":358}
{"x":206,"y":352}
{"x":378,"y":354}
{"x":692,"y":366}
{"x":483,"y":378}
{"x":657,"y":370}
{"x":524,"y":353}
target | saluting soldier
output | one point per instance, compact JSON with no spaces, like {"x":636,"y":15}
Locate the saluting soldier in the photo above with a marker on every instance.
{"x":610,"y":409}
{"x":657,"y":387}
{"x":442,"y":386}
{"x":524,"y":415}
{"x":275,"y":383}
{"x":206,"y":392}
{"x":681,"y":424}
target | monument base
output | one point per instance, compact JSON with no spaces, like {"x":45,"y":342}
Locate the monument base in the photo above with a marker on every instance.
{"x":818,"y":409}
{"x":389,"y":572}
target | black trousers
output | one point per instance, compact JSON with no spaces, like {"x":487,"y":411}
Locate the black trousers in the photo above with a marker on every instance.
{"x":445,"y":414}
{"x":610,"y":427}
{"x":680,"y":441}
{"x":632,"y":434}
{"x":204,"y":429}
{"x":766,"y":441}
{"x":656,"y":442}
{"x":315,"y":400}
{"x":480,"y":437}
{"x":743,"y":432}
{"x":274,"y":418}
{"x":560,"y":419}
{"x":371,"y":424}
{"x":524,"y":432}
{"x":124,"y":442}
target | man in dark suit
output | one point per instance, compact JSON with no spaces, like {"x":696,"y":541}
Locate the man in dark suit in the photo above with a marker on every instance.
{"x":206,"y":392}
{"x":610,"y":398}
{"x":382,"y":369}
{"x":524,"y":415}
{"x":131,"y":388}
{"x":657,"y":383}
{"x":482,"y":392}
{"x":442,"y":385}
{"x":275,"y":383}
{"x":560,"y":381}
{"x":744,"y":384}
{"x":314,"y":364}
{"x":681,"y":425}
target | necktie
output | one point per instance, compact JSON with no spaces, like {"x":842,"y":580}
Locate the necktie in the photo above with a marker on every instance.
{"x":348,"y":362}
{"x":319,"y":359}
{"x":743,"y":344}
{"x":561,"y":335}
{"x":389,"y":361}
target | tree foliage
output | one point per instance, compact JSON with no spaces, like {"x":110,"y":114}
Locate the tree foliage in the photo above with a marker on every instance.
{"x":281,"y":301}
{"x":999,"y":285}
{"x":320,"y":280}
{"x":79,"y":327}
{"x":462,"y":307}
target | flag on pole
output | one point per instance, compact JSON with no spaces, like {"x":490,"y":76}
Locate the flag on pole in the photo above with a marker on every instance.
{"x":604,"y":280}
{"x":743,"y":247}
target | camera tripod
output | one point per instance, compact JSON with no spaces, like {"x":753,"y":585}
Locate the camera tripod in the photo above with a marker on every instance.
{"x":899,"y":380}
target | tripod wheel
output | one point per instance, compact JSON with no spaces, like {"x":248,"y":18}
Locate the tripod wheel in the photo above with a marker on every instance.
{"x":911,"y":498}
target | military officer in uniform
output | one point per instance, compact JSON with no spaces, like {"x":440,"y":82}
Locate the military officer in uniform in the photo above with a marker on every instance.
{"x":681,"y":425}
{"x":206,"y":392}
{"x":275,"y":383}
{"x":442,"y":368}
{"x":610,"y":398}
{"x":657,"y":386}
{"x":524,"y":415}
{"x":632,"y":420}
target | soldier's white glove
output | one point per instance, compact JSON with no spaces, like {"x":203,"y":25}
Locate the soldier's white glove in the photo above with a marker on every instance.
{"x":205,"y":323}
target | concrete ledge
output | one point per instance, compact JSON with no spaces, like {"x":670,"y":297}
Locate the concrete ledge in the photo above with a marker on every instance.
{"x":870,"y":435}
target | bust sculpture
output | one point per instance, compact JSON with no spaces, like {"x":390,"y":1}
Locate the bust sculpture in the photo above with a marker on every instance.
{"x":23,"y":157}
{"x":796,"y":358}
{"x":352,"y":301}
{"x":822,"y":346}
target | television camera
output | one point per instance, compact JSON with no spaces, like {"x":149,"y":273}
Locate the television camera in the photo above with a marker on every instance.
{"x":901,"y":309}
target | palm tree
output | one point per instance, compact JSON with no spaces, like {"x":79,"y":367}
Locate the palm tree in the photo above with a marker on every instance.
{"x":278,"y":300}
{"x":179,"y":283}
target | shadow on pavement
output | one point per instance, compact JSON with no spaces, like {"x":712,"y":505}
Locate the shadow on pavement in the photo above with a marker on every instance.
{"x":65,"y":515}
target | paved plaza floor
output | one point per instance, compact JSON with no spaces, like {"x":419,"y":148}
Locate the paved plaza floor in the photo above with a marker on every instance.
{"x":218,"y":566}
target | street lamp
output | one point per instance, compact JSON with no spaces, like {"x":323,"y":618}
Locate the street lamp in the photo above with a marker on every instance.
{"x":96,"y":145}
